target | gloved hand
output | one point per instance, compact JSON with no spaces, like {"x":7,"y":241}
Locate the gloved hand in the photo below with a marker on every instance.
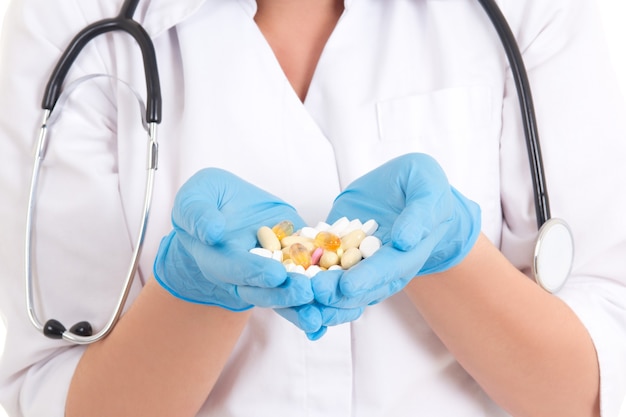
{"x":206,"y":258}
{"x":425,"y":225}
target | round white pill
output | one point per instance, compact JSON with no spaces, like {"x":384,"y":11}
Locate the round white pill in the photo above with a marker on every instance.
{"x":369,"y":245}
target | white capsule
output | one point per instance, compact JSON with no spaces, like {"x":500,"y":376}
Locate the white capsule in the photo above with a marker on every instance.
{"x":261,"y":252}
{"x":322,"y":227}
{"x":339,"y":226}
{"x":309,"y":232}
{"x":369,"y":227}
{"x":369,"y":245}
{"x":350,"y":258}
{"x":267,"y":239}
{"x":352,"y":239}
{"x":352,"y":226}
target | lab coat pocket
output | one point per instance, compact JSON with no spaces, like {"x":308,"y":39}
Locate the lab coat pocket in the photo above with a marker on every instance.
{"x":447,"y":113}
{"x":459,"y":127}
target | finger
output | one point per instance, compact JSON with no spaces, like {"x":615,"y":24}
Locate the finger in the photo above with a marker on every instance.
{"x":196,"y":207}
{"x":234,"y":266}
{"x":375,"y":277}
{"x":421,"y":215}
{"x":313,"y":336}
{"x":192,"y":285}
{"x":306,"y":317}
{"x":295,"y":291}
{"x":325,"y":286}
{"x":330,"y":296}
{"x":382,"y":294}
{"x":201,"y":220}
{"x":332,"y":316}
{"x":387,"y":265}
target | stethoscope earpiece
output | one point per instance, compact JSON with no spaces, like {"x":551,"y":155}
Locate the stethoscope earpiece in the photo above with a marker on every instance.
{"x":54,"y":329}
{"x":82,"y":328}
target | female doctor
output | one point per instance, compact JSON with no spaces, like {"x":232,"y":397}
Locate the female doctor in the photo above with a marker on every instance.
{"x":401,"y":111}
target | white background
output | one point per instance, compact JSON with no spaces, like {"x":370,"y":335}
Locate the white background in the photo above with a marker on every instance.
{"x":613,"y":13}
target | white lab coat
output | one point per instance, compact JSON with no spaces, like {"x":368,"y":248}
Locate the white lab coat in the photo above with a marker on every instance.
{"x":396,"y":76}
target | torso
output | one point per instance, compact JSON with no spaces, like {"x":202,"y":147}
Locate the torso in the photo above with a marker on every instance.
{"x":301,"y":104}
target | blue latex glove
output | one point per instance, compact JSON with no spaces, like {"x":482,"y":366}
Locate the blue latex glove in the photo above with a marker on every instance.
{"x":206,"y":258}
{"x":425,"y":225}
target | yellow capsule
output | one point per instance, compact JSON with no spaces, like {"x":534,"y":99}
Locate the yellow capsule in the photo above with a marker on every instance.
{"x":300,"y":255}
{"x":328,"y":259}
{"x":282,"y":229}
{"x":285,"y":252}
{"x":327,"y":241}
{"x":350,"y":258}
{"x":352,"y":239}
{"x":290,"y":240}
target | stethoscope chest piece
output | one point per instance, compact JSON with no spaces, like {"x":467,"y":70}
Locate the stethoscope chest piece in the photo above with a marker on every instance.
{"x":554,"y":255}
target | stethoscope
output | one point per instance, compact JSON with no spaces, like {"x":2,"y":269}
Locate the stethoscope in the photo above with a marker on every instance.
{"x":554,"y":249}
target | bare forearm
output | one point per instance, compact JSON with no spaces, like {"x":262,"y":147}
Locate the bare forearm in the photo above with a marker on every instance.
{"x":524,"y":346}
{"x":162,"y":359}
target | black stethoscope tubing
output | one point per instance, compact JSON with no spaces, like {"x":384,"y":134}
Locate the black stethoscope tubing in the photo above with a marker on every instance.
{"x":542,"y":204}
{"x":123,"y":22}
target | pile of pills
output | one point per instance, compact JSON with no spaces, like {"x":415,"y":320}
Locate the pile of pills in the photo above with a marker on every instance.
{"x":340,"y":245}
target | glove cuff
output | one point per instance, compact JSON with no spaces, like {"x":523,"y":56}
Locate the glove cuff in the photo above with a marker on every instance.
{"x":459,"y":240}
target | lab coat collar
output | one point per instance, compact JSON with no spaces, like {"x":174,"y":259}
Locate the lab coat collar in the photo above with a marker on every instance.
{"x":157,"y":16}
{"x":250,"y":5}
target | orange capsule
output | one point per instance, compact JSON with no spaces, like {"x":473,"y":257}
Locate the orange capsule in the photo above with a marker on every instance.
{"x":327,"y":241}
{"x":282,"y":229}
{"x":300,"y":255}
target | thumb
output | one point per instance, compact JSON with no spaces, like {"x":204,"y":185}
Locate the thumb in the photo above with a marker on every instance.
{"x":200,"y":219}
{"x":196,"y":207}
{"x":417,"y":220}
